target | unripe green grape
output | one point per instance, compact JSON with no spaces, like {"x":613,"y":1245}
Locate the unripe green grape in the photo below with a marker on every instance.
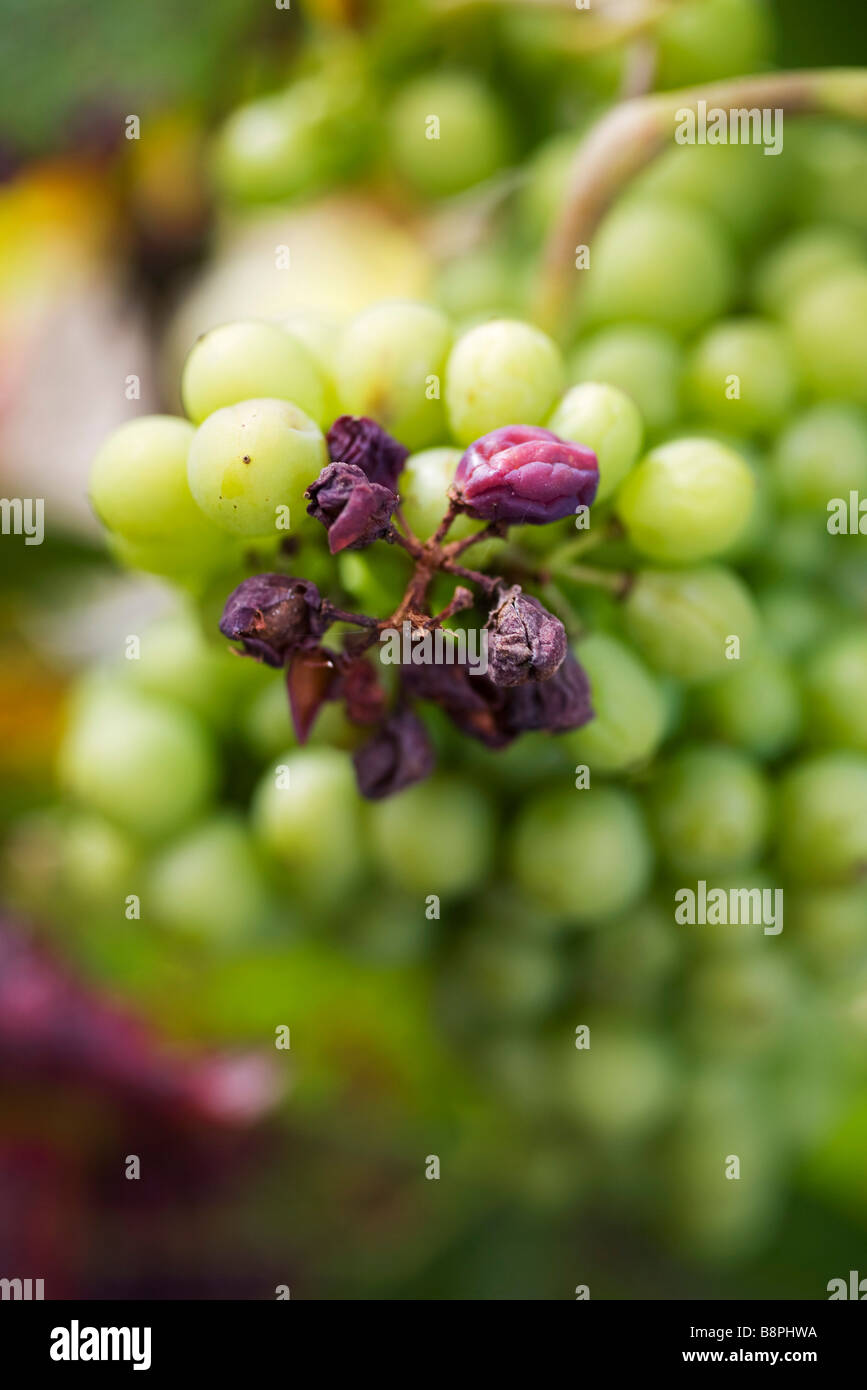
{"x":436,"y":837}
{"x":822,"y":454}
{"x":758,"y":354}
{"x":320,"y":335}
{"x":683,"y":621}
{"x":632,"y":958}
{"x":389,"y":365}
{"x":208,"y":885}
{"x":189,"y":567}
{"x":629,"y":708}
{"x":757,"y":706}
{"x":99,"y":863}
{"x":424,"y":485}
{"x":250,"y":361}
{"x":836,"y":691}
{"x":644,"y":362}
{"x":742,"y":1003}
{"x":582,"y":854}
{"x":710,"y":810}
{"x":686,"y":501}
{"x":388,"y":933}
{"x":829,"y":927}
{"x":605,"y":420}
{"x":248,"y":460}
{"x":145,"y":765}
{"x":266,"y":724}
{"x":469,"y":142}
{"x":660,"y":263}
{"x":139,"y":489}
{"x":794,"y":617}
{"x":622,"y":1085}
{"x":306,"y":814}
{"x":828,"y":329}
{"x":481,"y":283}
{"x":799,"y":546}
{"x":494,"y":977}
{"x":737,"y":184}
{"x":802,"y":259}
{"x":177,"y":662}
{"x":376,"y":582}
{"x":831,"y":161}
{"x":499,"y":373}
{"x":822,"y":822}
{"x":704,"y":40}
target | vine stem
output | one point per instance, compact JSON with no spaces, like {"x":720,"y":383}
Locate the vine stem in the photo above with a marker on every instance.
{"x":631,"y":135}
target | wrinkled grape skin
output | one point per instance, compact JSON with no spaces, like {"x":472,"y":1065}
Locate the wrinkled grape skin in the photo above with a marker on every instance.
{"x":249,"y":459}
{"x":251,"y":361}
{"x":603,"y":419}
{"x":385,"y":365}
{"x":583,"y":854}
{"x":686,"y":501}
{"x":502,"y":371}
{"x":630,"y":712}
{"x":710,"y":810}
{"x":681,"y":620}
{"x":823,"y":819}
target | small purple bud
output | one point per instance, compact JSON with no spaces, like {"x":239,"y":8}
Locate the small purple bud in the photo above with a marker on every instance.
{"x":560,"y":703}
{"x":525,"y":641}
{"x":357,"y":440}
{"x":354,"y":511}
{"x":397,"y":755}
{"x":525,"y":474}
{"x":273,"y":614}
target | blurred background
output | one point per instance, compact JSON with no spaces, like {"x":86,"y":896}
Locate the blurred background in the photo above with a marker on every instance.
{"x":254,"y":127}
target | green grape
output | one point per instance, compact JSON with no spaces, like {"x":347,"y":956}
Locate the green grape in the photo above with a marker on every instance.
{"x":266,"y":724}
{"x":836,"y":691}
{"x":375,"y":582}
{"x":831,"y":159}
{"x":752,"y":540}
{"x":145,"y":765}
{"x":794,"y":617}
{"x":802,"y":259}
{"x":823,"y":819}
{"x":686,"y":500}
{"x":828,"y":328}
{"x":250,"y":461}
{"x":208,"y":885}
{"x":446,"y":132}
{"x":831,"y":927}
{"x":822,"y":454}
{"x":607,"y":421}
{"x":659,"y":263}
{"x":757,"y":706}
{"x":710,"y":811}
{"x":683,"y":621}
{"x":703,"y":40}
{"x":320,"y":335}
{"x":177,"y":662}
{"x":742,"y":1003}
{"x":582,"y":854}
{"x":539,"y":197}
{"x":500,"y":373}
{"x":139,"y":490}
{"x":251,"y":361}
{"x":389,"y":365}
{"x":622,"y":1085}
{"x":494,"y":977}
{"x":99,"y":863}
{"x":644,"y":362}
{"x":188,"y":567}
{"x":737,"y":184}
{"x":424,"y":485}
{"x":481,"y":283}
{"x":305,"y":813}
{"x":757,"y":355}
{"x":435,"y":838}
{"x":388,"y":933}
{"x":629,"y":708}
{"x":633,"y":957}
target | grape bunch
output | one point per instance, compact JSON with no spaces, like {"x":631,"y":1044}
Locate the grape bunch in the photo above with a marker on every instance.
{"x":677,"y":659}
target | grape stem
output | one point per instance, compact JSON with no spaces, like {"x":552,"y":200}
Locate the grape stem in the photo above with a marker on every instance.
{"x":632,"y":134}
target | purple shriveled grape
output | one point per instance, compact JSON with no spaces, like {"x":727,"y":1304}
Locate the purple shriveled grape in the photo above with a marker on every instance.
{"x":524,"y":474}
{"x":357,"y":440}
{"x":525,"y":641}
{"x":398,"y":755}
{"x":273,"y":614}
{"x":555,"y":705}
{"x":354,"y":511}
